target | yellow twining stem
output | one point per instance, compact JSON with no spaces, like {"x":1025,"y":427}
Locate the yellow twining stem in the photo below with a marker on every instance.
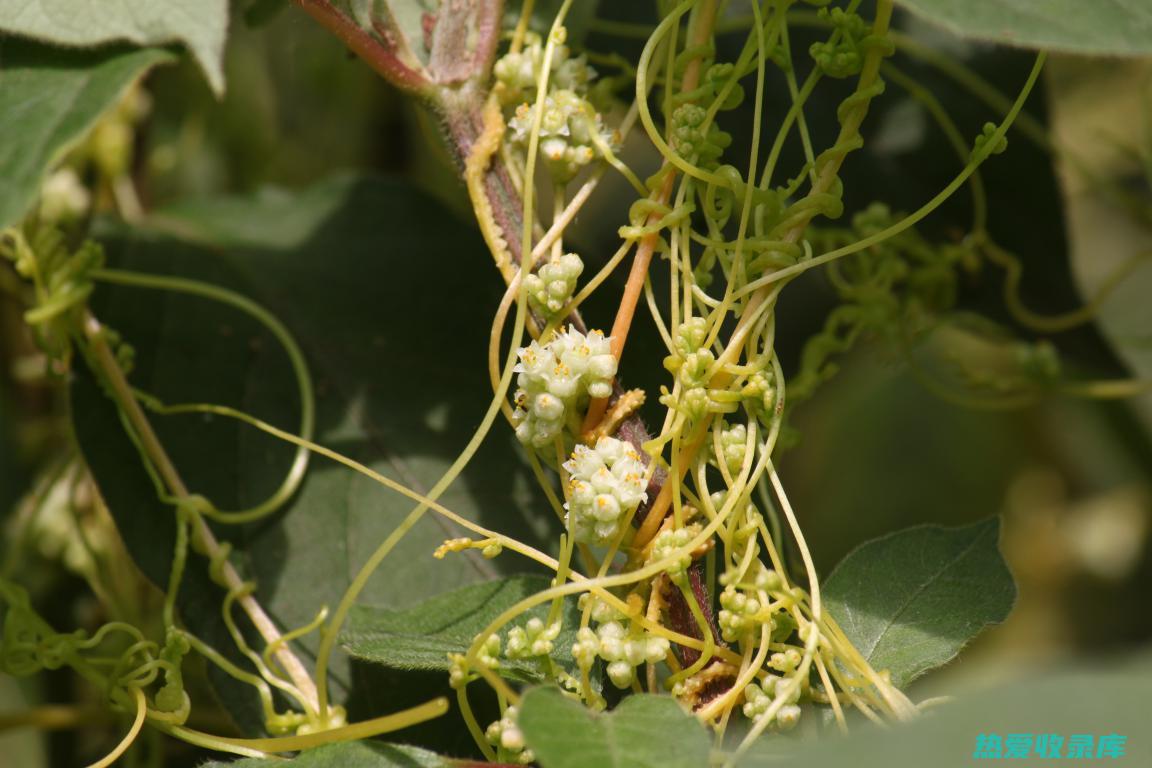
{"x":363,"y":730}
{"x":475,"y":169}
{"x":133,"y":732}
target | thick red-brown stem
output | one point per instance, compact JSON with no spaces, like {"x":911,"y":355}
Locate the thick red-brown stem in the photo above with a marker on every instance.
{"x":680,"y":618}
{"x":378,"y":56}
{"x":701,"y":31}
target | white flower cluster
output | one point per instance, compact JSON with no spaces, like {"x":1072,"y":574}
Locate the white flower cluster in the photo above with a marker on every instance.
{"x":506,"y":734}
{"x":518,"y":72}
{"x":623,"y":650}
{"x":572,"y":132}
{"x":551,"y":286}
{"x":554,"y":377}
{"x":606,"y":485}
{"x":533,"y":639}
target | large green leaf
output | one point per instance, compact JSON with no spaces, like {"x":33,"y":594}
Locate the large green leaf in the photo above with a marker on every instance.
{"x":421,"y":637}
{"x":201,"y":25}
{"x":49,"y":98}
{"x":1102,"y":138}
{"x":1098,"y":28}
{"x":645,"y":731}
{"x":911,"y":600}
{"x":387,"y":293}
{"x":353,"y":754}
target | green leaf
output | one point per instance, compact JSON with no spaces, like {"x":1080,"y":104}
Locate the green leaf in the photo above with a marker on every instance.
{"x":911,"y":600}
{"x":49,"y":99}
{"x":349,"y":754}
{"x":421,"y":637}
{"x":374,"y":279}
{"x":200,"y":25}
{"x":1100,"y":28}
{"x":1104,"y":131}
{"x":645,"y":731}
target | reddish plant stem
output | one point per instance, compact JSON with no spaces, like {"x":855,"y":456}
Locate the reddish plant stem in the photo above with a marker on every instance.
{"x":385,"y":61}
{"x":680,"y":616}
{"x":461,"y":111}
{"x":701,"y":31}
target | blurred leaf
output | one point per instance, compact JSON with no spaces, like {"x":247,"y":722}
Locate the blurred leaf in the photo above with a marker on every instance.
{"x":645,"y":731}
{"x":1111,"y":28}
{"x":382,"y":289}
{"x":49,"y":98}
{"x":1096,"y":701}
{"x":912,"y":435}
{"x":200,"y":25}
{"x":421,"y":637}
{"x":349,"y":754}
{"x":1107,"y":241}
{"x":911,"y":600}
{"x":260,"y":12}
{"x":26,"y":747}
{"x":1102,"y":125}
